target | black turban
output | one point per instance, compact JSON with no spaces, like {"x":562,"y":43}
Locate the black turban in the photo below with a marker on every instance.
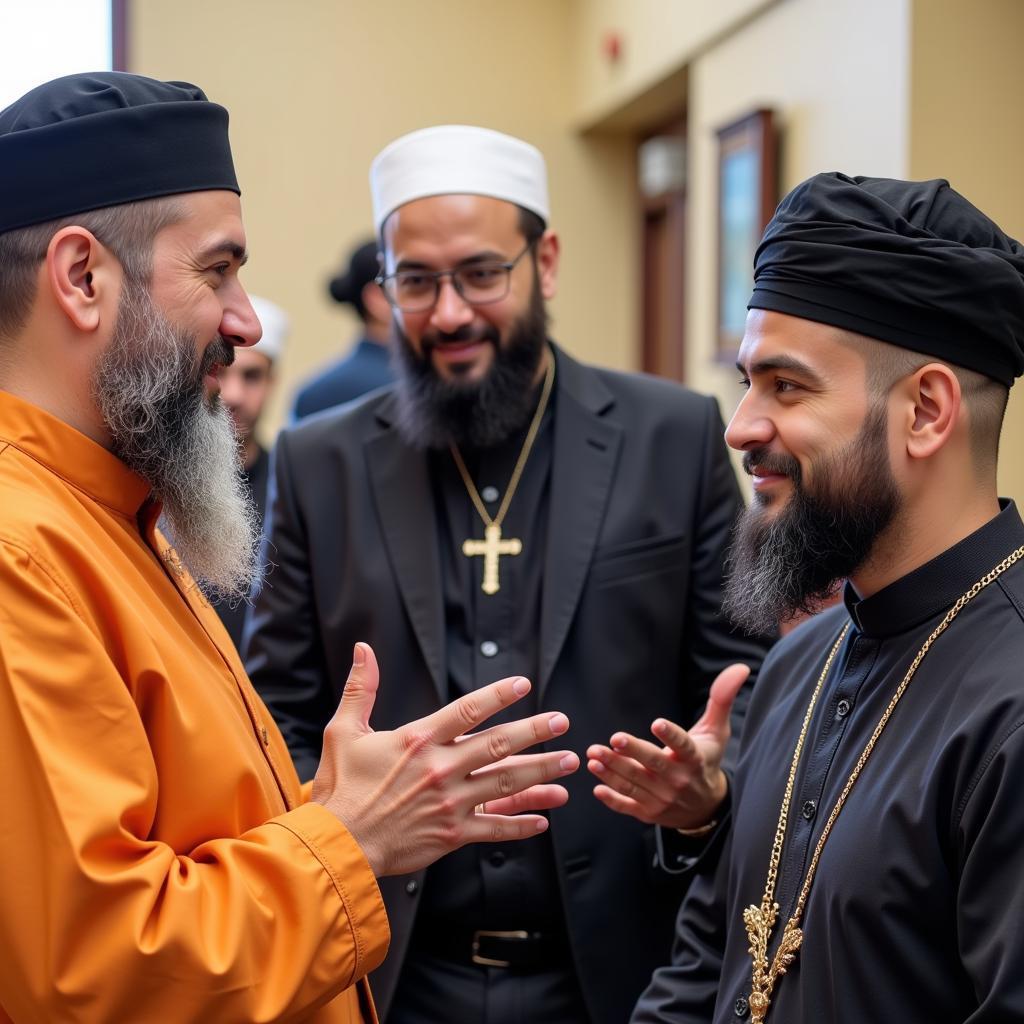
{"x":912,"y":263}
{"x":99,"y":139}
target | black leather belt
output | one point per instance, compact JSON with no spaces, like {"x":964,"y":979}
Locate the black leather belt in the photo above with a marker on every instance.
{"x":521,"y":949}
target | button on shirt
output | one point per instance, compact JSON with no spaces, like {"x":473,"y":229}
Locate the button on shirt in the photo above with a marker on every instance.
{"x":854,"y":662}
{"x":489,"y":637}
{"x":914,"y":914}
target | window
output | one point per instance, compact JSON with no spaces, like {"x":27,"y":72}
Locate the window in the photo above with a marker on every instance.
{"x":44,"y":39}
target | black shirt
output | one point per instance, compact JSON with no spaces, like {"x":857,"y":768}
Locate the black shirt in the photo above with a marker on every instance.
{"x":489,"y":637}
{"x":915,"y":912}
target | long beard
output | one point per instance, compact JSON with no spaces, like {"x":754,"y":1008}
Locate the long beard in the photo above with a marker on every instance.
{"x":149,"y":389}
{"x":435,"y":413}
{"x":789,"y":564}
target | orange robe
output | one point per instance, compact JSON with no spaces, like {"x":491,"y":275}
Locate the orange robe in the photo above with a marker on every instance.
{"x":157,"y":861}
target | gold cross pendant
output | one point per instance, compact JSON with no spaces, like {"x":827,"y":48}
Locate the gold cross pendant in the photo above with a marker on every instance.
{"x":491,"y":547}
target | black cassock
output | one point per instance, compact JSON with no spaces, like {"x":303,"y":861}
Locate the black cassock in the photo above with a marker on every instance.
{"x":916,"y":913}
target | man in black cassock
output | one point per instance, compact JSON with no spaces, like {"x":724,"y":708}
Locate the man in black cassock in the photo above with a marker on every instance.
{"x":613,"y":498}
{"x":872,"y":871}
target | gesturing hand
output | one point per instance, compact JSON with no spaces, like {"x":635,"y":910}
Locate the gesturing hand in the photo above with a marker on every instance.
{"x":680,"y":784}
{"x":408,"y":796}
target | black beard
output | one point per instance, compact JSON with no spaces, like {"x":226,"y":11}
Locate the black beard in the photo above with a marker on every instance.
{"x":789,"y":565}
{"x":435,"y":413}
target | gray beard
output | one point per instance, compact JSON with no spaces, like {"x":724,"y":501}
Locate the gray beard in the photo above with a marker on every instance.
{"x":148,"y":386}
{"x":788,"y":564}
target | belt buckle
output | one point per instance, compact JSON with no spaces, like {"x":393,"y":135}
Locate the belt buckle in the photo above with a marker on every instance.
{"x":485,"y":961}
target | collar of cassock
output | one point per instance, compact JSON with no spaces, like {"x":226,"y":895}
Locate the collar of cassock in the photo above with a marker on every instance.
{"x":71,"y":455}
{"x":933,"y":588}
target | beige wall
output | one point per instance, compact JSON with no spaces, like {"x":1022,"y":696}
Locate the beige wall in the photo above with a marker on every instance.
{"x":315,"y":88}
{"x":658,"y":37}
{"x":966,"y":89}
{"x":839,"y":88}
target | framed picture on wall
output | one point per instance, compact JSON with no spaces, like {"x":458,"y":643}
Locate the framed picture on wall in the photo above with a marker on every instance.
{"x":747,"y":195}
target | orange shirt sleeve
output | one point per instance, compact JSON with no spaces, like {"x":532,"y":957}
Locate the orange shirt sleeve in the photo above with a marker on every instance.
{"x":99,"y":918}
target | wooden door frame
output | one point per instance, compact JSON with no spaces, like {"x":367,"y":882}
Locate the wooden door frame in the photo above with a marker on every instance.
{"x":119,"y":35}
{"x":671,"y":205}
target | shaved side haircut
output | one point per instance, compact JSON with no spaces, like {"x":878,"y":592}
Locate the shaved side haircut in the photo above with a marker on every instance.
{"x":984,"y":398}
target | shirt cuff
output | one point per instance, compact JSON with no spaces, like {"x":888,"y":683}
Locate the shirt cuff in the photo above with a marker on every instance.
{"x":677,"y":854}
{"x":353,"y":880}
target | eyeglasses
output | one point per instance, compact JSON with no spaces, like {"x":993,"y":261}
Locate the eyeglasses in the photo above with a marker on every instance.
{"x":416,"y":291}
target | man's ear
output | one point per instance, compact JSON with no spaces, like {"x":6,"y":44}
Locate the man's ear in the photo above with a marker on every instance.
{"x":933,"y":409}
{"x":83,"y":275}
{"x":548,"y":251}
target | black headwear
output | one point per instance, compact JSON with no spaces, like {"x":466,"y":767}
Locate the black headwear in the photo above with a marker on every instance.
{"x":87,"y":141}
{"x":362,"y":269}
{"x":912,"y":263}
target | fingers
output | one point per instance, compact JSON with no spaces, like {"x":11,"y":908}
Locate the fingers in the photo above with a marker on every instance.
{"x":502,"y":819}
{"x":497,"y":819}
{"x":638,"y":770}
{"x":496,"y":828}
{"x":518,"y":774}
{"x":679,"y":747}
{"x":680,"y":784}
{"x":675,"y":737}
{"x":497,"y":743}
{"x":727,"y":684}
{"x":360,"y":691}
{"x":536,"y":798}
{"x":622,"y":804}
{"x":466,"y":713}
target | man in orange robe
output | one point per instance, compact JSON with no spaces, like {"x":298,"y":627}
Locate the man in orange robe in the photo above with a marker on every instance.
{"x":160,"y":861}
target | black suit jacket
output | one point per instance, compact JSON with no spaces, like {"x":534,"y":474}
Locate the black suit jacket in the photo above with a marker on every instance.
{"x":643,"y":497}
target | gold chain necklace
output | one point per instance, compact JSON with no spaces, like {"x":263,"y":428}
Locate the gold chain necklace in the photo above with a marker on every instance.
{"x":492,"y":546}
{"x":759,"y":921}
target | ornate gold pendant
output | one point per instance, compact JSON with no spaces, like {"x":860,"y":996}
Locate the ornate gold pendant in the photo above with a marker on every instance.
{"x":759,"y":922}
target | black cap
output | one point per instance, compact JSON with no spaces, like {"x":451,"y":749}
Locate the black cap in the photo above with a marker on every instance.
{"x":103,"y":138}
{"x":911,"y":263}
{"x":362,"y":268}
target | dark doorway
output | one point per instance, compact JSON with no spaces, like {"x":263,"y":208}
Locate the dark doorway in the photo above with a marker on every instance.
{"x":661,"y":162}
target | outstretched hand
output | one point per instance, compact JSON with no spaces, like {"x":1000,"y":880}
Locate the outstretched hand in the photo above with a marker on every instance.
{"x":412,"y":795}
{"x":680,"y":784}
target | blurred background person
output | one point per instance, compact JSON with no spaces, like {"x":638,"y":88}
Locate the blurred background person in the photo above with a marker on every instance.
{"x":366,"y":366}
{"x":245,"y":386}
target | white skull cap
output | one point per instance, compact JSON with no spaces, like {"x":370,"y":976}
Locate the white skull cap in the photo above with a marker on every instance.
{"x":458,"y":159}
{"x":276,"y":326}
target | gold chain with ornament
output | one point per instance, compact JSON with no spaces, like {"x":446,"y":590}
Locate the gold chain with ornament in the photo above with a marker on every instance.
{"x":493,"y":546}
{"x":759,"y":921}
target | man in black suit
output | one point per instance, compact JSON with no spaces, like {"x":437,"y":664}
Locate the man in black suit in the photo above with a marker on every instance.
{"x":506,"y":509}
